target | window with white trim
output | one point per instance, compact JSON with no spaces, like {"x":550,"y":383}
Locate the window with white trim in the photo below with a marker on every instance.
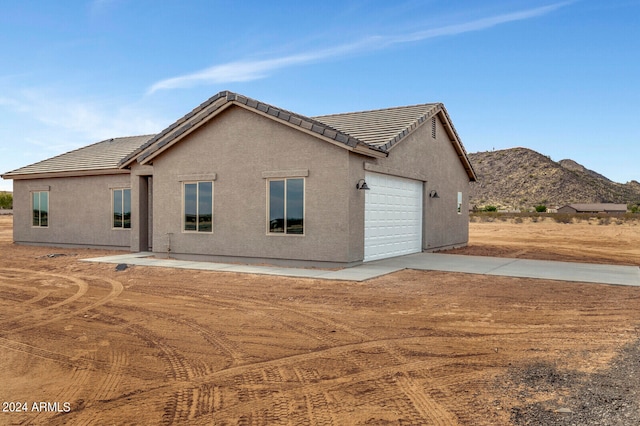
{"x":40,"y":209}
{"x":286,"y":206}
{"x":198,"y":207}
{"x":121,"y":218}
{"x":459,"y":202}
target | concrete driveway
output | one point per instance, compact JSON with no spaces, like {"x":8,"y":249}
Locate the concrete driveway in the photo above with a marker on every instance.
{"x":524,"y":268}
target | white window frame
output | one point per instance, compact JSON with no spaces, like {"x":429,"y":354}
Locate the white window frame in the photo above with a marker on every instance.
{"x":304,"y":206}
{"x":459,"y":202}
{"x":184,"y":222}
{"x":40,"y":210}
{"x":120,"y":228}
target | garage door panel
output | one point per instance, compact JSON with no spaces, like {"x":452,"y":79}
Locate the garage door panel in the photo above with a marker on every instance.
{"x":393,"y":216}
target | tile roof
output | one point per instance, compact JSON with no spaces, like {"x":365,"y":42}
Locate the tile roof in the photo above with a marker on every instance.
{"x":382,"y":127}
{"x":103,"y":155}
{"x":598,"y":207}
{"x":370,"y":133}
{"x":203,"y":112}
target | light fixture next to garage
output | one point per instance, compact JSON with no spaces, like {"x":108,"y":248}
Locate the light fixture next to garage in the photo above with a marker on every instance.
{"x":362,"y":185}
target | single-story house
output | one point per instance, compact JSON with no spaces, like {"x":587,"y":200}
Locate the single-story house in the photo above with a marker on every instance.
{"x":594,"y":208}
{"x":240,"y":180}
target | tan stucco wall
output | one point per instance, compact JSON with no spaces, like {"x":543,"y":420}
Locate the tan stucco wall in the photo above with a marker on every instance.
{"x":436,"y":162}
{"x":79,"y":212}
{"x":238,"y":146}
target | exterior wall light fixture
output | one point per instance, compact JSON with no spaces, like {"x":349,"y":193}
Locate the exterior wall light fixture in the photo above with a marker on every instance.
{"x":362,"y":185}
{"x":433,"y":194}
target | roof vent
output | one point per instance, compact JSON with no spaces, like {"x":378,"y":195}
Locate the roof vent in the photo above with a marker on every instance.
{"x":433,"y":127}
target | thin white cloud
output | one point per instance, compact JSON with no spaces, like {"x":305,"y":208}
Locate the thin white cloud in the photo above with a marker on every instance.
{"x":249,"y":70}
{"x":100,"y":7}
{"x":76,"y":122}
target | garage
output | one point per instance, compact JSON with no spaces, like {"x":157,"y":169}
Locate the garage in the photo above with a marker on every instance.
{"x":392,"y":216}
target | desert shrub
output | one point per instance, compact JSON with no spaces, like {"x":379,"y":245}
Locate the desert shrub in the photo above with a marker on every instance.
{"x":541,"y":208}
{"x":490,"y":209}
{"x":6,"y":200}
{"x":563,"y":217}
{"x":604,"y":220}
{"x":518,"y":219}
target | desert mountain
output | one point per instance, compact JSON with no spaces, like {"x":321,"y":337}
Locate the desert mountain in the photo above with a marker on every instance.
{"x":522,"y":178}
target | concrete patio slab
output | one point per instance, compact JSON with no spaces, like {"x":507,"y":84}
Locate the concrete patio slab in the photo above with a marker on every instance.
{"x":523,"y":268}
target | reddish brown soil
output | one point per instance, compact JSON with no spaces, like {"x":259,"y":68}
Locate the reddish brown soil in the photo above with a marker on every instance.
{"x":597,"y":240}
{"x":162,"y":346}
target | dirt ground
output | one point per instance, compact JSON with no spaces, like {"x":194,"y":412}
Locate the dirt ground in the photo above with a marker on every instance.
{"x":83,"y":344}
{"x":615,"y":243}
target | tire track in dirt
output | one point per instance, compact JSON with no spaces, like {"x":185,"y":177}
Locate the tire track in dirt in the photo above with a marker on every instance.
{"x":385,"y":353}
{"x":83,"y":286}
{"x":71,"y":392}
{"x":42,"y":294}
{"x":42,"y":353}
{"x":311,"y":383}
{"x":198,"y":398}
{"x":108,"y":387}
{"x":178,"y":406}
{"x":359,"y":357}
{"x":309,"y":391}
{"x":247,"y":382}
{"x":20,"y":288}
{"x":428,"y":408}
{"x":318,"y":411}
{"x":213,"y":337}
{"x":190,"y":401}
{"x":36,"y":314}
{"x":311,"y":326}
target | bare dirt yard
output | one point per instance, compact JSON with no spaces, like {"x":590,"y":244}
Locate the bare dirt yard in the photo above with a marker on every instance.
{"x":81,"y":343}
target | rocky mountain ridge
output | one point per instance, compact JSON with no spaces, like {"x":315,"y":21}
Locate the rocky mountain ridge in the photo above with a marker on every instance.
{"x":521,"y":178}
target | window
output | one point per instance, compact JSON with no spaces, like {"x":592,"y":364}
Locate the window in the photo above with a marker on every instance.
{"x":40,"y":208}
{"x":122,"y":208}
{"x":459,"y":202}
{"x":198,"y":207}
{"x":286,"y":206}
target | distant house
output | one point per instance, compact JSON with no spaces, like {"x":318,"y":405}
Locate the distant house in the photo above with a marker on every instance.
{"x":594,"y":208}
{"x":240,"y":180}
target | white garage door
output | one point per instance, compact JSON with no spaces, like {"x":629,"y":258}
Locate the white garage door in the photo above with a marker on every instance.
{"x":392,"y":216}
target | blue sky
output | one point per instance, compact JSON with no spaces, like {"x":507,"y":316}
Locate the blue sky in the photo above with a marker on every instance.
{"x":559,"y":77}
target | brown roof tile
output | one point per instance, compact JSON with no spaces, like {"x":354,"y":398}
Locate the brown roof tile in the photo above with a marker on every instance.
{"x":103,"y":155}
{"x":383,"y":127}
{"x":371,"y":132}
{"x":207,"y":109}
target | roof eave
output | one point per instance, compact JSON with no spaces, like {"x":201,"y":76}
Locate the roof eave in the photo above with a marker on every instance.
{"x":457,"y":143}
{"x":370,"y":151}
{"x":308,"y":126}
{"x":71,"y":173}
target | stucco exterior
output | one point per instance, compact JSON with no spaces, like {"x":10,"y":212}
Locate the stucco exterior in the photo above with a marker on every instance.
{"x":237,"y":151}
{"x":435,"y":162}
{"x":239,"y":145}
{"x":79,"y":212}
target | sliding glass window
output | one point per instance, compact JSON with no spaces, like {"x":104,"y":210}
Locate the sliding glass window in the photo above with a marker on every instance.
{"x":286,"y":206}
{"x":121,"y":209}
{"x":198,"y":207}
{"x":40,"y":209}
